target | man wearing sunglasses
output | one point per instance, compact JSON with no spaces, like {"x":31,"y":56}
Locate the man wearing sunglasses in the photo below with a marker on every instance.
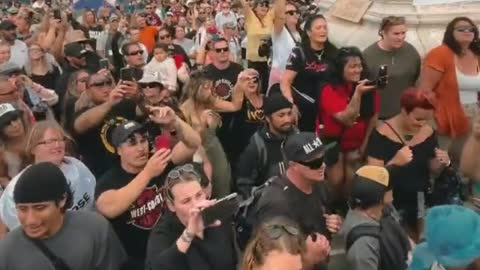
{"x":130,"y":194}
{"x":301,"y":195}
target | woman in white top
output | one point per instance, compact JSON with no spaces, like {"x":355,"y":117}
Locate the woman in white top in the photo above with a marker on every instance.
{"x":285,"y":37}
{"x":47,"y":143}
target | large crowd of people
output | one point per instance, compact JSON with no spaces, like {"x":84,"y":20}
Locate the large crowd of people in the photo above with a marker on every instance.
{"x":224,"y":135}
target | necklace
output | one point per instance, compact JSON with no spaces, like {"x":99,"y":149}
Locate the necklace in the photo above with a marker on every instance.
{"x":320,"y":55}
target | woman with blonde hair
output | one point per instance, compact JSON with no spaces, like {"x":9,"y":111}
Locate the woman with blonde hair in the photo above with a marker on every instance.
{"x":200,"y":110}
{"x":277,"y":245}
{"x":77,"y":83}
{"x":47,"y":142}
{"x":41,"y":66}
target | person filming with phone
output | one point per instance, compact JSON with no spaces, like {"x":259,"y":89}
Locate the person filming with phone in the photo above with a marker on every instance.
{"x":348,"y":109}
{"x":182,"y":240}
{"x":130,"y":193}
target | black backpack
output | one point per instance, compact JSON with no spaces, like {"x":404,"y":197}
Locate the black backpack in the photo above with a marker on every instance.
{"x":394,"y":244}
{"x":244,"y":218}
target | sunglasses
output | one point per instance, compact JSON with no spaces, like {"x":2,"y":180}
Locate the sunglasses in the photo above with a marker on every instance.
{"x":164,"y":37}
{"x":102,"y":83}
{"x":219,"y":50}
{"x":292,"y":12}
{"x":465,"y":29}
{"x":139,"y":52}
{"x":313,"y":164}
{"x":276,"y":231}
{"x":149,"y":85}
{"x":177,"y":172}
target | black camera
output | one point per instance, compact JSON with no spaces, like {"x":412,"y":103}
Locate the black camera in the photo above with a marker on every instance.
{"x":40,"y":111}
{"x":265,"y":48}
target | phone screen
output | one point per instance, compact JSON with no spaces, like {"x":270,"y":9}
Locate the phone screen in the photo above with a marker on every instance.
{"x":222,"y":210}
{"x":126,"y":74}
{"x":103,"y":63}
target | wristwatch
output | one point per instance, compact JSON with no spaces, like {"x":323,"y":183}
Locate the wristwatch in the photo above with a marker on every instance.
{"x":187,"y":237}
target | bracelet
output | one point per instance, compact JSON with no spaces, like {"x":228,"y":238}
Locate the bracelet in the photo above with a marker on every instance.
{"x":187,"y":237}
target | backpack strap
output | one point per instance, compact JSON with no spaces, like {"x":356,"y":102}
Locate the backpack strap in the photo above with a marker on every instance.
{"x":57,"y":262}
{"x":360,"y":231}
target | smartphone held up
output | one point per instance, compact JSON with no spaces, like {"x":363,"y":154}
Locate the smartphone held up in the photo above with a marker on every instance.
{"x":382,"y":78}
{"x":222,"y":210}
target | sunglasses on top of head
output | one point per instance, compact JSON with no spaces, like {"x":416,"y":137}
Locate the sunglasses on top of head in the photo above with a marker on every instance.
{"x":313,"y":164}
{"x":264,"y":4}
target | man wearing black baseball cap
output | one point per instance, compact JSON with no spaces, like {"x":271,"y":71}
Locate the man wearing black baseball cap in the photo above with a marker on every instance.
{"x":262,"y":157}
{"x":370,"y":224}
{"x":130,"y":193}
{"x":301,"y":195}
{"x":42,"y":195}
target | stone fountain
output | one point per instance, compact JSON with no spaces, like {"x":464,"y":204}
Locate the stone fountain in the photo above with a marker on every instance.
{"x":426,"y":23}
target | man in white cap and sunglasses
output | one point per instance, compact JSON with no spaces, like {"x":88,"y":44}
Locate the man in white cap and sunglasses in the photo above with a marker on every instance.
{"x":130,"y":194}
{"x":301,"y":195}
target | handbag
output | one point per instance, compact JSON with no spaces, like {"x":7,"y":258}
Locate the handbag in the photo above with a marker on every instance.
{"x":57,"y":262}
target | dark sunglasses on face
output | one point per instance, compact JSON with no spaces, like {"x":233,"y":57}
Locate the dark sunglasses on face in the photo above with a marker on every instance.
{"x":102,"y":83}
{"x":465,"y":29}
{"x":149,"y":85}
{"x":292,"y":12}
{"x":276,"y":231}
{"x":164,"y":37}
{"x":313,"y":164}
{"x":219,"y":50}
{"x":139,"y":52}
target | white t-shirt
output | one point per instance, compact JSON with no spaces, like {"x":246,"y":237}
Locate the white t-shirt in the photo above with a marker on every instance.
{"x":282,"y":46}
{"x":19,"y":53}
{"x":82,"y":183}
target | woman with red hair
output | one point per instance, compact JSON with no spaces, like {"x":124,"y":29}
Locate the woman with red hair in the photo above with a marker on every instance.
{"x":408,"y":145}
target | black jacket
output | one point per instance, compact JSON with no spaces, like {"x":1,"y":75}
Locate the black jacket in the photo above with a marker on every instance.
{"x":214,"y":252}
{"x":255,"y":166}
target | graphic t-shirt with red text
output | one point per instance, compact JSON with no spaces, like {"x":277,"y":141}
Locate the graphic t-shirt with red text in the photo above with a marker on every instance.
{"x":134,"y":225}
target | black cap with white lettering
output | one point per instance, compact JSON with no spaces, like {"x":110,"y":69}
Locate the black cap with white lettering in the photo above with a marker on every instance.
{"x":303,"y":147}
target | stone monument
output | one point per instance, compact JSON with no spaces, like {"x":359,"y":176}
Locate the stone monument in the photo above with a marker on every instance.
{"x":426,"y":23}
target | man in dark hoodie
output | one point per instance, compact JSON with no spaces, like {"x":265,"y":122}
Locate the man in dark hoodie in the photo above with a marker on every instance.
{"x":262,"y":158}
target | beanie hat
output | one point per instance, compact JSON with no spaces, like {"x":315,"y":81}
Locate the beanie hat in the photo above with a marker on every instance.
{"x":40,"y":182}
{"x":274,"y":103}
{"x":369,"y":186}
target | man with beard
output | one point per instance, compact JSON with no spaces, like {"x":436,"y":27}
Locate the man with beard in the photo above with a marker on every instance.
{"x":18,"y":48}
{"x":262,"y":158}
{"x":130,"y":194}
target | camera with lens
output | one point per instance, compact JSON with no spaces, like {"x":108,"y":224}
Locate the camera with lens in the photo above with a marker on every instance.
{"x":265,"y":48}
{"x":40,"y":111}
